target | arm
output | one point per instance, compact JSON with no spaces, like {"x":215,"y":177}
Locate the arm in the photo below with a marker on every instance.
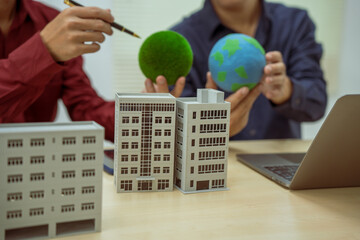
{"x":307,"y":87}
{"x":23,"y":77}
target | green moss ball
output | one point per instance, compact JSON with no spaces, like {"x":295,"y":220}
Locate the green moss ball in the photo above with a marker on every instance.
{"x":165,"y":53}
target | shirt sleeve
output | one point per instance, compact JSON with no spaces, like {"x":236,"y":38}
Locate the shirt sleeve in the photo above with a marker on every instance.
{"x":23,"y":77}
{"x":309,"y":98}
{"x":81,"y":100}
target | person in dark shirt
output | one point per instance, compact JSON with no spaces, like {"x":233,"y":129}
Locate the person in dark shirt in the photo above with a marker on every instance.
{"x":292,"y":90}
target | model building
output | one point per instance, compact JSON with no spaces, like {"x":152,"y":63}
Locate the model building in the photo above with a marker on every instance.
{"x":202,"y":135}
{"x":51,"y":179}
{"x":144,"y":142}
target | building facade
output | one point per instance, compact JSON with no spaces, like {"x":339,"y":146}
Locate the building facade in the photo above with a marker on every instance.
{"x":202,"y":136}
{"x":51,"y":179}
{"x":144,"y":142}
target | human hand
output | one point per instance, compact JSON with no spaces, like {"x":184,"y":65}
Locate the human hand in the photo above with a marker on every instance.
{"x":161,"y":86}
{"x":66,"y":35}
{"x":277,"y":85}
{"x":241,"y":103}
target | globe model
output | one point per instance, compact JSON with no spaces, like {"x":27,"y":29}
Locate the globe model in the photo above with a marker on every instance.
{"x":165,"y":53}
{"x":235,"y":61}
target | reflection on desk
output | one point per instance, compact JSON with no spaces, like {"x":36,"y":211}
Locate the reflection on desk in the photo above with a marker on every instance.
{"x":253,"y":208}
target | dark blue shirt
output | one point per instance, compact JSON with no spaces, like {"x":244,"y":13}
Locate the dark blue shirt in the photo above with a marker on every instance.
{"x":280,"y":28}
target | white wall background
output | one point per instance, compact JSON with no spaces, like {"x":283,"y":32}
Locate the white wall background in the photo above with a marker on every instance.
{"x":115,"y":67}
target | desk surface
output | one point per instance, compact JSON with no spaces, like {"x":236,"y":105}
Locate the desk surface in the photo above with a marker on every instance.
{"x":253,"y":208}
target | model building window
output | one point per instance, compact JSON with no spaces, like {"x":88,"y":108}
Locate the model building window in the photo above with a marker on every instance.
{"x":180,"y":126}
{"x":88,"y":156}
{"x":67,"y":191}
{"x":157,"y":157}
{"x":87,"y":206}
{"x":36,"y":212}
{"x":124,"y":158}
{"x":179,"y":153}
{"x":126,"y":185}
{"x":69,"y":140}
{"x":158,"y":119}
{"x":14,"y":214}
{"x":166,"y":170}
{"x":124,"y":145}
{"x":67,"y":208}
{"x":134,"y":145}
{"x":14,"y":143}
{"x":167,"y":132}
{"x":89,"y":139}
{"x":125,"y":120}
{"x":125,"y":132}
{"x":157,"y":145}
{"x":192,"y":170}
{"x":134,"y":132}
{"x":194,"y":115}
{"x":135,"y":119}
{"x":134,"y":170}
{"x":37,"y":159}
{"x":124,"y":171}
{"x":88,"y":173}
{"x":134,"y":158}
{"x":15,"y":161}
{"x":163,"y":184}
{"x":218,"y":183}
{"x":37,"y":176}
{"x":191,"y":183}
{"x":192,"y":142}
{"x":68,"y":158}
{"x":180,"y":113}
{"x":35,"y":142}
{"x":166,"y":157}
{"x":167,"y":145}
{"x":192,"y":156}
{"x":156,"y":169}
{"x":157,"y":132}
{"x":88,"y":190}
{"x":167,"y":119}
{"x":193,"y":128}
{"x":14,"y":196}
{"x":68,"y":174}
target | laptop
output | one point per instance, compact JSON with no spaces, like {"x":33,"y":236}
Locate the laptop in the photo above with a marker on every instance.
{"x":332,"y":160}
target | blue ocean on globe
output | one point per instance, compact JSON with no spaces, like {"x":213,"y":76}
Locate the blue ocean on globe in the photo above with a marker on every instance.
{"x":237,"y":60}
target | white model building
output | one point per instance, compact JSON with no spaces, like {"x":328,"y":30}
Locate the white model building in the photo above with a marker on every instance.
{"x":51,"y":179}
{"x":144,"y":142}
{"x":202,"y":135}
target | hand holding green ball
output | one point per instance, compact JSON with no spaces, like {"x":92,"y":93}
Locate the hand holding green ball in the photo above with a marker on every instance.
{"x":165,"y":53}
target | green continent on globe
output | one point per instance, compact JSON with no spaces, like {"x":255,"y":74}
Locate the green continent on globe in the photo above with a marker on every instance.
{"x":255,"y":44}
{"x":231,"y":45}
{"x":221,"y":76}
{"x":218,"y":57}
{"x":241,"y":72}
{"x":165,"y":53}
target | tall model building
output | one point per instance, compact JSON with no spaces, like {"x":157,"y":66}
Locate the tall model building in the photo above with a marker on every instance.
{"x":202,"y":133}
{"x":51,"y":179}
{"x":144,"y":142}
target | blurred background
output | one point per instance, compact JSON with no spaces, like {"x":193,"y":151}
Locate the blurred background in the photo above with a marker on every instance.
{"x":115,"y":67}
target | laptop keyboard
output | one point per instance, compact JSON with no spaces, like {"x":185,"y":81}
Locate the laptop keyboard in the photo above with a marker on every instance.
{"x":286,"y":171}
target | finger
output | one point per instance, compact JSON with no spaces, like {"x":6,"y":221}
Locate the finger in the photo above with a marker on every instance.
{"x":149,"y":86}
{"x":237,"y":97}
{"x":161,"y":84}
{"x":88,"y":48}
{"x":96,"y":25}
{"x":88,"y":37}
{"x":273,"y":56}
{"x":210,"y":83}
{"x":91,"y":12}
{"x":179,"y":87}
{"x":275,"y":80}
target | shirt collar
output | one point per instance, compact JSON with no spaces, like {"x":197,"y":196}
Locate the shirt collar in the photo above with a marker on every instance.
{"x":24,"y":10}
{"x":213,"y":24}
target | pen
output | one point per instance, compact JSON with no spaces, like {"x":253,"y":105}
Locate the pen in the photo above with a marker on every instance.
{"x":72,"y":3}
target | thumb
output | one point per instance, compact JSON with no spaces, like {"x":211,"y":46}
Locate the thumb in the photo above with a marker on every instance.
{"x":210,"y":83}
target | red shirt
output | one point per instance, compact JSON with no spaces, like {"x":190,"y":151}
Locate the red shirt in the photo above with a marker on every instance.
{"x":31,"y":82}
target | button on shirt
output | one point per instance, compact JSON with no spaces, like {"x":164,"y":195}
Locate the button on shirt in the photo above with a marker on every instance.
{"x":31,"y":82}
{"x":288,"y":30}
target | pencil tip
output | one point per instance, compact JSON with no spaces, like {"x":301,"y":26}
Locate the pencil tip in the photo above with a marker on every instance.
{"x":135,"y":35}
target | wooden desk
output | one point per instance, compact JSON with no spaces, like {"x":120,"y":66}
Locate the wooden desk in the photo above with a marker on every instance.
{"x":253,"y":208}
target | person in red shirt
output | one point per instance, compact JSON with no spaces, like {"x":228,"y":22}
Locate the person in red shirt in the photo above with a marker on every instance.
{"x":40,"y":62}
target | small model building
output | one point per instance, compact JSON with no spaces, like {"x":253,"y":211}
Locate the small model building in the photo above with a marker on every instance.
{"x":144,"y":142}
{"x":51,"y":179}
{"x":202,"y":135}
